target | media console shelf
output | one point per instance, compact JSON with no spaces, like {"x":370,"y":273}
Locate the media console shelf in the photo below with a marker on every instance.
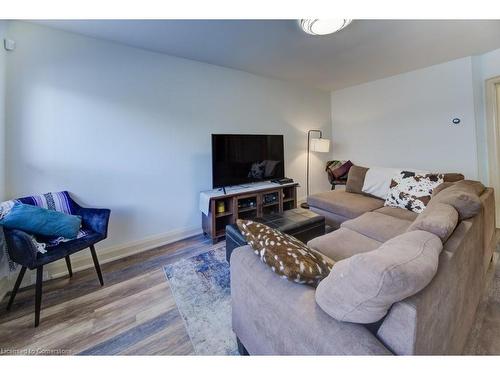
{"x":247,"y":204}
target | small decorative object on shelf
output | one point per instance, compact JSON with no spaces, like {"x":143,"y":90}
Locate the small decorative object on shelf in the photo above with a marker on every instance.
{"x":221,"y":207}
{"x":270,"y":198}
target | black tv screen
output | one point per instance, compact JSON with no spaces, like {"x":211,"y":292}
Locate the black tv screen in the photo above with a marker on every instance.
{"x":240,"y":158}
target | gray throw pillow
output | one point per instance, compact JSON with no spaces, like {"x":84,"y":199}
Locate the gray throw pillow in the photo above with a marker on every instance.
{"x":453,"y":177}
{"x":471,"y":186}
{"x":441,"y":187}
{"x":362,"y":288}
{"x":355,"y":179}
{"x":463,"y":196}
{"x":439,"y":218}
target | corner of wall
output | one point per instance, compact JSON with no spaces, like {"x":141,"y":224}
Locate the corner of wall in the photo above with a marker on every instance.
{"x":4,"y":282}
{"x":479,"y":118}
{"x":3,"y":63}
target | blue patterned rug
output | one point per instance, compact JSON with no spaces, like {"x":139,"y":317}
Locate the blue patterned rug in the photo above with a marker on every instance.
{"x":200,"y":286}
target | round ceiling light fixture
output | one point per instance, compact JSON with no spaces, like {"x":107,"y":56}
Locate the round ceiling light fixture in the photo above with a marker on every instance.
{"x":323,"y":27}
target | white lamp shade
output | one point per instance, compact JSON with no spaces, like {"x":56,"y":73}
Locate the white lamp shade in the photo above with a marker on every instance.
{"x":320,"y":145}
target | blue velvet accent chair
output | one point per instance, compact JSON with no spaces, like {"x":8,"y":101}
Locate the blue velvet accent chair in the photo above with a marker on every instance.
{"x":23,"y":251}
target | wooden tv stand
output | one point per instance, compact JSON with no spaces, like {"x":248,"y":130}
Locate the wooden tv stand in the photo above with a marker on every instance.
{"x":248,"y":204}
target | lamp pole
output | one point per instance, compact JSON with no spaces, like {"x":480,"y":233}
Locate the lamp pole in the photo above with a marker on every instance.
{"x":305,"y":205}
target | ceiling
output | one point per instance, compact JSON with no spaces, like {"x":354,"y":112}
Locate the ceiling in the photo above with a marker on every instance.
{"x":364,"y":51}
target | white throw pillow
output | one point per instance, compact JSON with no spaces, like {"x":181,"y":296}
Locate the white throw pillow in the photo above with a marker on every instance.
{"x":378,"y":181}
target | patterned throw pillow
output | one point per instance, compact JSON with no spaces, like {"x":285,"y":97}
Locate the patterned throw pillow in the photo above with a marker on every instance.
{"x":413,"y":191}
{"x":287,"y":256}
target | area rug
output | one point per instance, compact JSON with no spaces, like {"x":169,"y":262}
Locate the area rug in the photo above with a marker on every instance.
{"x":200,"y":286}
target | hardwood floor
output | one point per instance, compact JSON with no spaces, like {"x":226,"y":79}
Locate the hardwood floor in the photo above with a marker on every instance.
{"x":133,"y":313}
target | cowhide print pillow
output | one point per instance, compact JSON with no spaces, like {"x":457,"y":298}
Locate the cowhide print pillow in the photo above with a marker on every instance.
{"x":287,"y":256}
{"x":412,"y":191}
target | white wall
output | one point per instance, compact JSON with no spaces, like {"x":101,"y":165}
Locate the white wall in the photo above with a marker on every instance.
{"x":3,"y":30}
{"x":490,"y":64}
{"x":4,"y":284}
{"x":406,"y":120}
{"x":479,"y":112}
{"x":129,"y":129}
{"x":485,"y":66}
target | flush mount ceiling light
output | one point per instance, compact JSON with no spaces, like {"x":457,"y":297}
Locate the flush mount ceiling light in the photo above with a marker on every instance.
{"x":323,"y":27}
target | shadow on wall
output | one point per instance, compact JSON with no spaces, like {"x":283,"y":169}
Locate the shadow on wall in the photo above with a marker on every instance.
{"x":129,"y":129}
{"x":137,"y":212}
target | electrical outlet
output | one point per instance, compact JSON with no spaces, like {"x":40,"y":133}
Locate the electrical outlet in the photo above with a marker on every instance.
{"x":9,"y":44}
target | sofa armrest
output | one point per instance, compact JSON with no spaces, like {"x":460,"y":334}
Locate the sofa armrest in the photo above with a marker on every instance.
{"x":438,"y":319}
{"x":20,"y":247}
{"x":96,"y":219}
{"x":275,"y":316}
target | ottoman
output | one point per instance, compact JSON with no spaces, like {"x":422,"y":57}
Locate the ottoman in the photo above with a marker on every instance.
{"x":298,"y":222}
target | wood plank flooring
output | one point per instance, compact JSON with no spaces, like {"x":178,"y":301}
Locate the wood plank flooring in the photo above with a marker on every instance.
{"x":133,"y":313}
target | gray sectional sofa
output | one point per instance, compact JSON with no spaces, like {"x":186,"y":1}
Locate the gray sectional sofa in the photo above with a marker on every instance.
{"x":275,"y":316}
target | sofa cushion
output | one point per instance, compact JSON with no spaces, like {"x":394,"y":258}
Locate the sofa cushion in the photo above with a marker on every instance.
{"x":377,"y":226}
{"x":343,"y":203}
{"x":441,"y":187}
{"x":343,"y":243}
{"x":412,"y":190}
{"x":331,"y":219}
{"x":475,"y":187}
{"x":453,"y":177}
{"x":284,"y":254}
{"x":462,"y":196}
{"x":362,"y":288}
{"x":68,"y":247}
{"x":355,"y":179}
{"x":440,"y":219}
{"x":275,"y":317}
{"x":400,"y":213}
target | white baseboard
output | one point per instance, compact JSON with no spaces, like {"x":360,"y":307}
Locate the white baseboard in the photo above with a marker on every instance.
{"x":83,"y":260}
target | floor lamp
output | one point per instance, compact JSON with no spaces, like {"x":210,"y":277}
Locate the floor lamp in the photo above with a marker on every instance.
{"x":316,"y":145}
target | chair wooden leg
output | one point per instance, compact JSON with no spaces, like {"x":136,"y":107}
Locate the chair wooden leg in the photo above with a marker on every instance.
{"x":38,"y":295}
{"x":68,"y":264}
{"x":16,"y":287}
{"x":96,"y":264}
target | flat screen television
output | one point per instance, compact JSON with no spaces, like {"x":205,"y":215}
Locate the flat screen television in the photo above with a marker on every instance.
{"x":245,"y":158}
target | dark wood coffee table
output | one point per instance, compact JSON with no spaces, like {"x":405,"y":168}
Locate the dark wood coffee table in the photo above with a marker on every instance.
{"x":298,"y":222}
